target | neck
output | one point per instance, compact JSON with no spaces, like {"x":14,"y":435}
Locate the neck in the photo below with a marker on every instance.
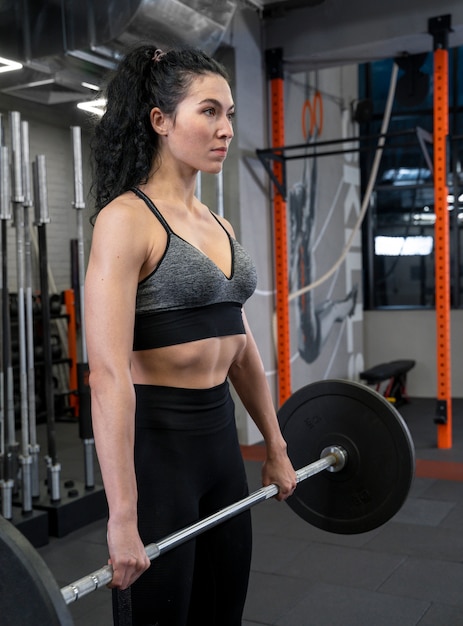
{"x":173,"y":185}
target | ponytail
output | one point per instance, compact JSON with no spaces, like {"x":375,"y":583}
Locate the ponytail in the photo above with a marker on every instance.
{"x":124,"y":145}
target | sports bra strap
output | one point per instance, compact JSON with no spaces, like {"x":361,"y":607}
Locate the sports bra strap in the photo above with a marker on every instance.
{"x":149,"y":203}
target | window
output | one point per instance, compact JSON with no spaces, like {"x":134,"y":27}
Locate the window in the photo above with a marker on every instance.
{"x":398,"y":232}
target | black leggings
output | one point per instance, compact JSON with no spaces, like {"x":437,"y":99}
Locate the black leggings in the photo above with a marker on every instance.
{"x":189,"y":465}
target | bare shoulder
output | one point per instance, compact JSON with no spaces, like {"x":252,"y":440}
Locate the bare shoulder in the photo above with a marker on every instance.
{"x":121,"y":229}
{"x":126,"y":231}
{"x":127,"y":219}
{"x":125,"y":210}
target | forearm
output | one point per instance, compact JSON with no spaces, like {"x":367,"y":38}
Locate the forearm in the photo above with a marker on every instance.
{"x":113,"y":408}
{"x":254,"y":393}
{"x":248,"y":378}
{"x":247,"y":375}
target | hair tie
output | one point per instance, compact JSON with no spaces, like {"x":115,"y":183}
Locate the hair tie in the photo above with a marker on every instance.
{"x":157,"y":56}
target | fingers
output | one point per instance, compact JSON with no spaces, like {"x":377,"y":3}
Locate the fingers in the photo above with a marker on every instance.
{"x":280,"y":473}
{"x":286,"y":491}
{"x":126,"y":572}
{"x":127,"y":555}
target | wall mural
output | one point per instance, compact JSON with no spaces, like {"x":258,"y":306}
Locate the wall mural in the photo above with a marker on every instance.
{"x":315,"y":316}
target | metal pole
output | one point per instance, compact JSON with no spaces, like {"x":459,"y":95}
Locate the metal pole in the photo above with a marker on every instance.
{"x":198,"y":188}
{"x":2,"y":373}
{"x":34,"y":447}
{"x":335,"y":458}
{"x":85,"y":421}
{"x":9,"y":450}
{"x":18,"y":204}
{"x":41,"y":219}
{"x":220,"y":202}
{"x":79,"y":204}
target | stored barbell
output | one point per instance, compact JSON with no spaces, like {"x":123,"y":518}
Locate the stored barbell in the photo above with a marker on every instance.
{"x":361,"y":476}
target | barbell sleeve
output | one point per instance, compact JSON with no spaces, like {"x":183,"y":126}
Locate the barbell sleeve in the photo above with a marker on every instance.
{"x":15,"y":132}
{"x":332,"y":457}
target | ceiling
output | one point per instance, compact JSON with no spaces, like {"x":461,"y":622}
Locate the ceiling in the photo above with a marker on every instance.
{"x":67,"y":45}
{"x":277,"y":8}
{"x":337,"y":32}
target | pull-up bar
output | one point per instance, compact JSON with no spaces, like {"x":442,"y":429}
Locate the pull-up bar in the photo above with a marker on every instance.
{"x":270,"y":157}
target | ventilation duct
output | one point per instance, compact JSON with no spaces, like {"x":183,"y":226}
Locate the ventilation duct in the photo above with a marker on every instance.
{"x":64,"y":43}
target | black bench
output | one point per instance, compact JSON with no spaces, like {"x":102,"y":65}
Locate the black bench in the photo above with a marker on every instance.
{"x":395,"y":373}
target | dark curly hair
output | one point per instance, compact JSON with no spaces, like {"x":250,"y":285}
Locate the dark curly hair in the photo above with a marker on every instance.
{"x":124,"y":145}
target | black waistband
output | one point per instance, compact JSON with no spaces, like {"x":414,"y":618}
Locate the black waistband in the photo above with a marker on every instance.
{"x":177,"y":408}
{"x":170,"y":328}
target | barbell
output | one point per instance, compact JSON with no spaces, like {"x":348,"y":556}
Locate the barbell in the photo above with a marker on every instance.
{"x":362,"y":473}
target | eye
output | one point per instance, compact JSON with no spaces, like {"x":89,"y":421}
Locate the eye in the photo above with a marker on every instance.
{"x":210,"y":111}
{"x":231,"y":116}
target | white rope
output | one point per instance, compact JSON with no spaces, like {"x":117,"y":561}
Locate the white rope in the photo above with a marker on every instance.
{"x":369,"y":190}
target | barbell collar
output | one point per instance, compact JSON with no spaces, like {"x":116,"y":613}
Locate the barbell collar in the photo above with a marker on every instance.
{"x":339,"y":453}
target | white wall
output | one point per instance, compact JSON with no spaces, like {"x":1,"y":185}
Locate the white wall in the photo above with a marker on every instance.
{"x":391,"y":335}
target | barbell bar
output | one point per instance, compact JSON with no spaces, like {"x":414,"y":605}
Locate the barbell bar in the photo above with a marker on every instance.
{"x":333,"y":458}
{"x":355,"y":434}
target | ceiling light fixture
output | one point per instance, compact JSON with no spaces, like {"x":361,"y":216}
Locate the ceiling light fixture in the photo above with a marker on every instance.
{"x":93,"y":106}
{"x":7,"y":65}
{"x":90,"y":86}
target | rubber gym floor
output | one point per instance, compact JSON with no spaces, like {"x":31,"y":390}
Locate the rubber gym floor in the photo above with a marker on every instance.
{"x":408,"y":572}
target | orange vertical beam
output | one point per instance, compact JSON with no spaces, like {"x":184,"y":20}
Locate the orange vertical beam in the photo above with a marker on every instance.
{"x":69,"y":302}
{"x":274,"y":58}
{"x":439,"y":27}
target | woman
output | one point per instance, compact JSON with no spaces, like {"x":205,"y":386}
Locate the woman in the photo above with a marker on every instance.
{"x":165,"y":286}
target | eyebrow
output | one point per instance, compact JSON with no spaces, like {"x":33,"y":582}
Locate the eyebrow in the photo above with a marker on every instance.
{"x":216,"y":103}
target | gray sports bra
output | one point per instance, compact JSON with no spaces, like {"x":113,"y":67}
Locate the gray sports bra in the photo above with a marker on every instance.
{"x":187,"y":297}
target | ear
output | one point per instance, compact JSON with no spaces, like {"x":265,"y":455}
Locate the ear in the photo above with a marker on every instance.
{"x":159,"y":121}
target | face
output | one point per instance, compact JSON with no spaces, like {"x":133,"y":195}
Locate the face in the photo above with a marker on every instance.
{"x":199,"y":134}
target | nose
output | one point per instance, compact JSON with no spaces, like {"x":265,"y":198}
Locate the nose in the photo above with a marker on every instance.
{"x":226,"y":128}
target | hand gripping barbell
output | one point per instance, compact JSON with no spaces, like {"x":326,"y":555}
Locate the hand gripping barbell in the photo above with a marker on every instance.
{"x":354,"y":434}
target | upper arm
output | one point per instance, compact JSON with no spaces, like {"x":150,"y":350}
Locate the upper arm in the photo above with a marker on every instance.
{"x":118,"y":251}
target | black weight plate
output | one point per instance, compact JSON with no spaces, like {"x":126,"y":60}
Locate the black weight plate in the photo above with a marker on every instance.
{"x":380,"y":466}
{"x":28,"y":592}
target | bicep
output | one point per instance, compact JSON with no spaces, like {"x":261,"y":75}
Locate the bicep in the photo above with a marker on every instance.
{"x":110,"y":292}
{"x":108,"y":317}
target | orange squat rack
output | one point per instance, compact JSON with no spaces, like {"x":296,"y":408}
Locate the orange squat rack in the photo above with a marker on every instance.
{"x":439,"y":28}
{"x":69,"y":302}
{"x":274,"y":60}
